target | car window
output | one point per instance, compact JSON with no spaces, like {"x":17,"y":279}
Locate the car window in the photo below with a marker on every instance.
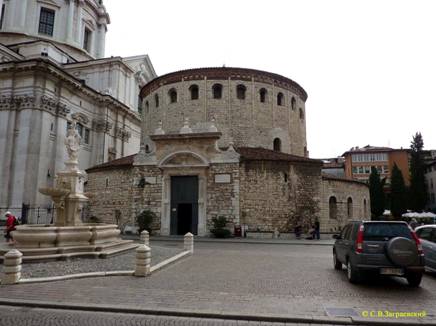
{"x":385,"y":231}
{"x":344,"y":230}
{"x":424,"y":233}
{"x":433,"y":237}
{"x":348,"y":232}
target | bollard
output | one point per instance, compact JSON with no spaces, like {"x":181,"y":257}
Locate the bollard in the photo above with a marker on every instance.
{"x":189,"y":242}
{"x":143,"y":261}
{"x":12,"y":267}
{"x":145,"y":238}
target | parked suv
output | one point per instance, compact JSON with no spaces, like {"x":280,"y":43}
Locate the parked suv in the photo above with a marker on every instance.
{"x":382,"y":247}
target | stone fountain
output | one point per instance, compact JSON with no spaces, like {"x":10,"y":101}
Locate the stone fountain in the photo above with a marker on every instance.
{"x":68,"y":236}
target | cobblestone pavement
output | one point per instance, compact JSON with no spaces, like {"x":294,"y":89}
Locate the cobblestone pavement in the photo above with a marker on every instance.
{"x":12,"y":316}
{"x":125,"y":261}
{"x":242,"y":279}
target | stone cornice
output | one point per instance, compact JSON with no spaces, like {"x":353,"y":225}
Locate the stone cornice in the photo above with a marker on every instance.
{"x":45,"y":66}
{"x":225,"y":73}
{"x":45,"y":103}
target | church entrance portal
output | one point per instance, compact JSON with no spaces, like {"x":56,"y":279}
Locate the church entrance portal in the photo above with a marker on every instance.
{"x":184,"y":205}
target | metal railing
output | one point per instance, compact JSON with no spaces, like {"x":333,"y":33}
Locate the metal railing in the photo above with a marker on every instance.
{"x":30,"y":215}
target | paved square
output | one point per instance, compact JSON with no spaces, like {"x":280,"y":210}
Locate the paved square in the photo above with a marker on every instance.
{"x":242,"y":279}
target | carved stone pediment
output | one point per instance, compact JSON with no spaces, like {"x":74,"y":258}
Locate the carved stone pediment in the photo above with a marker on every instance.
{"x":184,"y":159}
{"x":80,"y":118}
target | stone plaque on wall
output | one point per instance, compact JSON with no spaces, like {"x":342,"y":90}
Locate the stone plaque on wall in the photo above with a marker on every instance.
{"x":222,"y":178}
{"x":150,"y":180}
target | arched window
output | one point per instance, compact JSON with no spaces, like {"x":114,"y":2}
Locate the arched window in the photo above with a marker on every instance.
{"x":194,"y":92}
{"x":172,"y":93}
{"x":156,"y":100}
{"x":350,"y":207}
{"x":277,"y":145}
{"x":306,"y":154}
{"x":217,"y":90}
{"x":364,"y":209}
{"x":240,"y":92}
{"x":146,"y":107}
{"x":301,"y":114}
{"x":280,"y":99}
{"x":147,"y":149}
{"x":293,"y":103}
{"x":333,"y":208}
{"x":262,"y":95}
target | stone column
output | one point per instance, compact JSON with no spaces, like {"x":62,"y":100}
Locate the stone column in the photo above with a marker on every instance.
{"x":12,"y":267}
{"x":202,"y":197}
{"x":145,"y":238}
{"x":101,"y":40}
{"x":23,"y":13}
{"x":189,"y":242}
{"x":70,"y":21}
{"x":166,"y":206}
{"x":79,"y":22}
{"x":143,"y":261}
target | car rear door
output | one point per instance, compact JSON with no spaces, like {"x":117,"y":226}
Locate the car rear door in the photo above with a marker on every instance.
{"x":425,"y":234}
{"x":432,"y":250}
{"x":340,"y":244}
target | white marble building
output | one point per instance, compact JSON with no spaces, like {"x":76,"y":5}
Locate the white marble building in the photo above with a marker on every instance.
{"x":53,"y":71}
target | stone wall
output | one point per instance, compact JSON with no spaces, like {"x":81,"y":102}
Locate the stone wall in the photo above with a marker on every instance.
{"x":343,"y":190}
{"x":119,"y":195}
{"x":246,"y":122}
{"x":223,"y":193}
{"x":273,"y":195}
{"x":110,"y":195}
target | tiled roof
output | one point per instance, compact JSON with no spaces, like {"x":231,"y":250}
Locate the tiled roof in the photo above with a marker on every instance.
{"x":327,"y":176}
{"x":262,"y":154}
{"x":118,"y":163}
{"x":372,"y":149}
{"x":247,"y":153}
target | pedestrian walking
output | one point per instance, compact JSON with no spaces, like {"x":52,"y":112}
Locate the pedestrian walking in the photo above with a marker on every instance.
{"x":11,"y":223}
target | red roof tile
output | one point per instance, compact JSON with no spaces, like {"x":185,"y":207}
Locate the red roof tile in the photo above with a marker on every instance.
{"x":120,"y":162}
{"x":262,"y":154}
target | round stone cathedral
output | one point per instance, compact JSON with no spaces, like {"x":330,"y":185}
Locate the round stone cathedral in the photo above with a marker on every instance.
{"x":249,"y":107}
{"x":224,"y":142}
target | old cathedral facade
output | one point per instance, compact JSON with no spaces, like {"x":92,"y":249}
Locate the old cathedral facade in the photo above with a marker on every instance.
{"x":189,"y":146}
{"x":225,"y":142}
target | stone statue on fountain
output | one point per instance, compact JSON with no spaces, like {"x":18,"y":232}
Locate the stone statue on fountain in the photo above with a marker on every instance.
{"x":72,"y":143}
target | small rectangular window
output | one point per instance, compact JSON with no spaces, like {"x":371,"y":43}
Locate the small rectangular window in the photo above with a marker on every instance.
{"x":2,"y":17}
{"x":87,"y":40}
{"x":46,"y":21}
{"x":86,"y":136}
{"x":79,"y":129}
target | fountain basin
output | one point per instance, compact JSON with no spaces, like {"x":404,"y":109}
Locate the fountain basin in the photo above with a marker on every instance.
{"x":49,"y":242}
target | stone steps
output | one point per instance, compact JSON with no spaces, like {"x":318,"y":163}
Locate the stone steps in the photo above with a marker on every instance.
{"x":103,"y":250}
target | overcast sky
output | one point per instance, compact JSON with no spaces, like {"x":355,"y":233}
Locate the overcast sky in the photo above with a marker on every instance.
{"x":369,"y":66}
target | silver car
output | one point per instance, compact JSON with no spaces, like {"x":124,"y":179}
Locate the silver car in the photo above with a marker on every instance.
{"x":427,"y":235}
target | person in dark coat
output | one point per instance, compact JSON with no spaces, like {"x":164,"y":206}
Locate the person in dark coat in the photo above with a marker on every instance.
{"x":316,"y":227}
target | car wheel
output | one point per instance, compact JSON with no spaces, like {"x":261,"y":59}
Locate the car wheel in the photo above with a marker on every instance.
{"x":336,"y":263}
{"x":352,"y":273}
{"x":414,"y":279}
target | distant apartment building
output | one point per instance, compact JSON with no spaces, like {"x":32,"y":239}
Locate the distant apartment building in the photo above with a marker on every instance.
{"x":334,"y":166}
{"x":430,"y":179}
{"x":359,"y":161}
